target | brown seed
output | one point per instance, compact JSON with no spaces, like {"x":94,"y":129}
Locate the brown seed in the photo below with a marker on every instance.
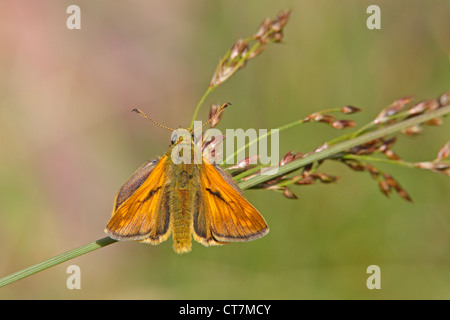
{"x":444,"y":99}
{"x":392,"y":109}
{"x":349,"y":109}
{"x":373,"y":171}
{"x":402,"y":193}
{"x":245,"y":162}
{"x":213,"y":116}
{"x":306,"y":180}
{"x":263,"y":28}
{"x":434,"y":122}
{"x":385,"y":188}
{"x":412,"y":131}
{"x":443,"y":152}
{"x":289,"y":194}
{"x":289,"y":157}
{"x":391,"y":155}
{"x":354,"y":165}
{"x":325,"y":178}
{"x":420,"y":107}
{"x":341,"y":124}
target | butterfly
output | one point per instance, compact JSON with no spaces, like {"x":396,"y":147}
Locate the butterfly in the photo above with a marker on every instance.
{"x":188,"y":199}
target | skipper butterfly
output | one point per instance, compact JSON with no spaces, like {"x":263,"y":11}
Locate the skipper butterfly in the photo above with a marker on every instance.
{"x":192,"y":199}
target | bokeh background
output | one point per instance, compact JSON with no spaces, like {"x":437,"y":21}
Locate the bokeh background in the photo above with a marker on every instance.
{"x":68,"y":141}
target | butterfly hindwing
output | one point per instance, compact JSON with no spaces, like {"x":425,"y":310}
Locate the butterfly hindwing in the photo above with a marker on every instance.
{"x":202,"y":222}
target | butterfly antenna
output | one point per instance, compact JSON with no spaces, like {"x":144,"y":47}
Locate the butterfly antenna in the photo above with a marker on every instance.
{"x":218,"y":112}
{"x":150,"y":119}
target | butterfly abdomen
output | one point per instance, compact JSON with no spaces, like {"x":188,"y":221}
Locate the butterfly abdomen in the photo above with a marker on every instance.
{"x":181,"y":220}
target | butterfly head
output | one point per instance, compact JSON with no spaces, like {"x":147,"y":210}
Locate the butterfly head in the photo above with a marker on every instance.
{"x":182,"y":135}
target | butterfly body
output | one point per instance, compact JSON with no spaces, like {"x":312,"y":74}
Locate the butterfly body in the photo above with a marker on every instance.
{"x":188,"y":199}
{"x":184,"y":197}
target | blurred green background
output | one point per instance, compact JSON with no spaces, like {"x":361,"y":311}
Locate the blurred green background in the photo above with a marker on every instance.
{"x":69,"y":141}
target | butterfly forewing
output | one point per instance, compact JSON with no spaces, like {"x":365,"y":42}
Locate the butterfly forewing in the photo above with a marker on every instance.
{"x":136,"y":180}
{"x":226,"y":215}
{"x":140,"y":213}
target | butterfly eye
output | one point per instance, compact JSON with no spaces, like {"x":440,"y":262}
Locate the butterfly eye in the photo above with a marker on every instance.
{"x":194,"y":138}
{"x":174,"y":137}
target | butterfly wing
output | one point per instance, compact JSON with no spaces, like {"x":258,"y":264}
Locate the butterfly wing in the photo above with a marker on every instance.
{"x":136,"y":180}
{"x":225,"y":215}
{"x":140,"y":209}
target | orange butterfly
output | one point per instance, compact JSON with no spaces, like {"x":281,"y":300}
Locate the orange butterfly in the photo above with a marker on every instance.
{"x":196,"y":199}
